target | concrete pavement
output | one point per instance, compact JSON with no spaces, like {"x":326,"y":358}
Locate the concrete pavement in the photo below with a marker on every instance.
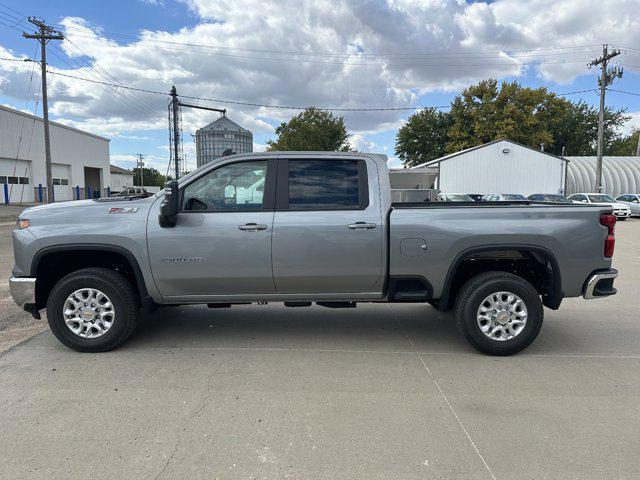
{"x":389,"y":392}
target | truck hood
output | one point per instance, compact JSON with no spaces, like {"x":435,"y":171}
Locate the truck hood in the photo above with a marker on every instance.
{"x":112,"y":210}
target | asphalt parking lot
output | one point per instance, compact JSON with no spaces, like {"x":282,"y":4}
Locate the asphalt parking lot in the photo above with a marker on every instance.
{"x":388,"y":392}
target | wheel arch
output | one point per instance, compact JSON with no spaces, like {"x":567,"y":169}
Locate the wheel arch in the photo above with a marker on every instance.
{"x":51,"y":255}
{"x":542,"y":254}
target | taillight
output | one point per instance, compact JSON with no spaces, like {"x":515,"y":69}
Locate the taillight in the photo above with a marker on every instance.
{"x":609,"y":220}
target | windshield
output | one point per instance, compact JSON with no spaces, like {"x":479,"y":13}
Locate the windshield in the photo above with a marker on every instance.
{"x":556,"y":199}
{"x":601,"y":198}
{"x":513,"y":196}
{"x":458,"y":198}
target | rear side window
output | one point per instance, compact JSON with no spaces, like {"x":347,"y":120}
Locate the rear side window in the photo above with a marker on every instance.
{"x":327,"y":185}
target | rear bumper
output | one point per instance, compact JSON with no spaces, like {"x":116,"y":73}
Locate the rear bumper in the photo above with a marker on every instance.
{"x":600,"y":284}
{"x":23,"y":290}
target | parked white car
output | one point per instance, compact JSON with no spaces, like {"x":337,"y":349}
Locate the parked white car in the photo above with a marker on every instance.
{"x":632,"y":200}
{"x":620,"y":210}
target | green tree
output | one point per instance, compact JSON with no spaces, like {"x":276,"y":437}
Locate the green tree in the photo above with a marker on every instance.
{"x":483,"y":113}
{"x":152,"y":177}
{"x":312,"y":129}
{"x":576,"y":129}
{"x":625,"y":145}
{"x":423,"y":137}
{"x":487,"y":111}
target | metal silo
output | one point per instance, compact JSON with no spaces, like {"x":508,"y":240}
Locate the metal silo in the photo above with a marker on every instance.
{"x":219,"y":136}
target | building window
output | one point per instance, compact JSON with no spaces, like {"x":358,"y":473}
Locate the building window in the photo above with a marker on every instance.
{"x":3,"y":180}
{"x":24,"y":180}
{"x":64,"y":181}
{"x":56,"y":181}
{"x":12,"y":180}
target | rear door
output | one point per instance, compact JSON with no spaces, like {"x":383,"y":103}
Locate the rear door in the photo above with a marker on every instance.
{"x":327,"y":229}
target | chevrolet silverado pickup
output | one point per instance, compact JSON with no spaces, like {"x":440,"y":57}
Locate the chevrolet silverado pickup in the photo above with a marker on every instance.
{"x":303,"y":228}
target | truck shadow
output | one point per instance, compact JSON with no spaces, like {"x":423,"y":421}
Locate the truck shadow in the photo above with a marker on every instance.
{"x":377,"y":327}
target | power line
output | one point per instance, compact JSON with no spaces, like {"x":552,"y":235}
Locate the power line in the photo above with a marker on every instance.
{"x":85,"y":30}
{"x":284,"y":107}
{"x":622,"y":91}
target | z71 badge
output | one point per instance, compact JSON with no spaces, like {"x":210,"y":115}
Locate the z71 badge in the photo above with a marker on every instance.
{"x":123,"y":210}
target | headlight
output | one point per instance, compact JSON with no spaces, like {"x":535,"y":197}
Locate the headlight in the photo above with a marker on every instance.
{"x":23,"y":223}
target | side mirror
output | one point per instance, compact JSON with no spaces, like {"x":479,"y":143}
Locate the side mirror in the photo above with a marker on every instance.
{"x":170,"y":205}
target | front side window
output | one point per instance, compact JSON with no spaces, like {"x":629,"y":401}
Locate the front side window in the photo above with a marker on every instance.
{"x":324,"y":184}
{"x":233,"y":187}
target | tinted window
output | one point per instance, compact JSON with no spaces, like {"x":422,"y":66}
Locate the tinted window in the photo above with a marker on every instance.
{"x":233,"y":187}
{"x":513,"y":196}
{"x":323,"y":185}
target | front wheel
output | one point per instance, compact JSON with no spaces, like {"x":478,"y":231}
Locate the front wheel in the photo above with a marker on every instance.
{"x":93,"y":310}
{"x":499,"y":313}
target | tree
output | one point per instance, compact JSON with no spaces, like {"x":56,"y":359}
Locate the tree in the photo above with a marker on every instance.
{"x":487,"y":111}
{"x":423,"y":137}
{"x":625,"y":145}
{"x":576,"y":129}
{"x":483,"y":113}
{"x":312,"y":129}
{"x":152,"y":177}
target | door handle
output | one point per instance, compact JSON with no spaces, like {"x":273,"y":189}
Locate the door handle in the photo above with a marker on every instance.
{"x":361,"y":226}
{"x":252,"y":227}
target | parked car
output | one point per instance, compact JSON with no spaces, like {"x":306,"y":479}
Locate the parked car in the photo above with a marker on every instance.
{"x":503,"y":197}
{"x":454,"y":197}
{"x":476,"y":197}
{"x":549,"y":197}
{"x":631,"y":200}
{"x":323,"y":229}
{"x":620,"y":210}
{"x":133,"y":192}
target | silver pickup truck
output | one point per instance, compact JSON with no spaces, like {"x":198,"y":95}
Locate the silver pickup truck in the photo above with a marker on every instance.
{"x":303,"y":227}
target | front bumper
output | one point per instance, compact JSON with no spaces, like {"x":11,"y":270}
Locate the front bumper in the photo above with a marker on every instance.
{"x":622,"y":213}
{"x":600,"y":284}
{"x":23,"y":290}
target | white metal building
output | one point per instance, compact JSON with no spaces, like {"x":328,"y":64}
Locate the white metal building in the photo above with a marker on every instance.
{"x":120,"y":178}
{"x":620,"y":175}
{"x":501,"y":166}
{"x":80,"y":160}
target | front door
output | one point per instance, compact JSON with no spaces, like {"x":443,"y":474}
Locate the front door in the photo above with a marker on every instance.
{"x":221,"y":244}
{"x":327,"y":230}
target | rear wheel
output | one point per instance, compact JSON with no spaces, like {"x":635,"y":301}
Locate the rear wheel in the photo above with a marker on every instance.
{"x":499,"y":313}
{"x":93,"y":310}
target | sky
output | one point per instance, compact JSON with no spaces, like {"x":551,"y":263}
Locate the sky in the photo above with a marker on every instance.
{"x":338,"y":54}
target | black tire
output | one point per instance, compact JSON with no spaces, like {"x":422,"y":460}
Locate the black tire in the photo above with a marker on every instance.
{"x":122,"y":295}
{"x":473,"y":293}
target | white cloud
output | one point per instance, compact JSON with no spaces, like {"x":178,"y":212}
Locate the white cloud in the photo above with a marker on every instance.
{"x":632,"y":125}
{"x":420,"y":46}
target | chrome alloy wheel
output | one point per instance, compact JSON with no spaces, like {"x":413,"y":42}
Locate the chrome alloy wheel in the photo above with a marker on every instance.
{"x":502,"y":316}
{"x":88,"y":313}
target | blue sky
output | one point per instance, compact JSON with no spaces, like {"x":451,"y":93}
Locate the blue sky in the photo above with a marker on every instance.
{"x":370,"y":54}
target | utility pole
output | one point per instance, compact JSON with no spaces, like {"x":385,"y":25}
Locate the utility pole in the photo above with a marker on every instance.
{"x":140,"y":162}
{"x":606,"y":78}
{"x":176,"y":131}
{"x":45,"y":33}
{"x":175,"y":126}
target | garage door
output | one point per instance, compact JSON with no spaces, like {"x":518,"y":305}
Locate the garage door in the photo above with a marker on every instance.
{"x":16,"y":175}
{"x":61,"y":175}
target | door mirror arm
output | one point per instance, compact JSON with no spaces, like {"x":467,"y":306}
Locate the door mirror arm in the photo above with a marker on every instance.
{"x":170,"y":205}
